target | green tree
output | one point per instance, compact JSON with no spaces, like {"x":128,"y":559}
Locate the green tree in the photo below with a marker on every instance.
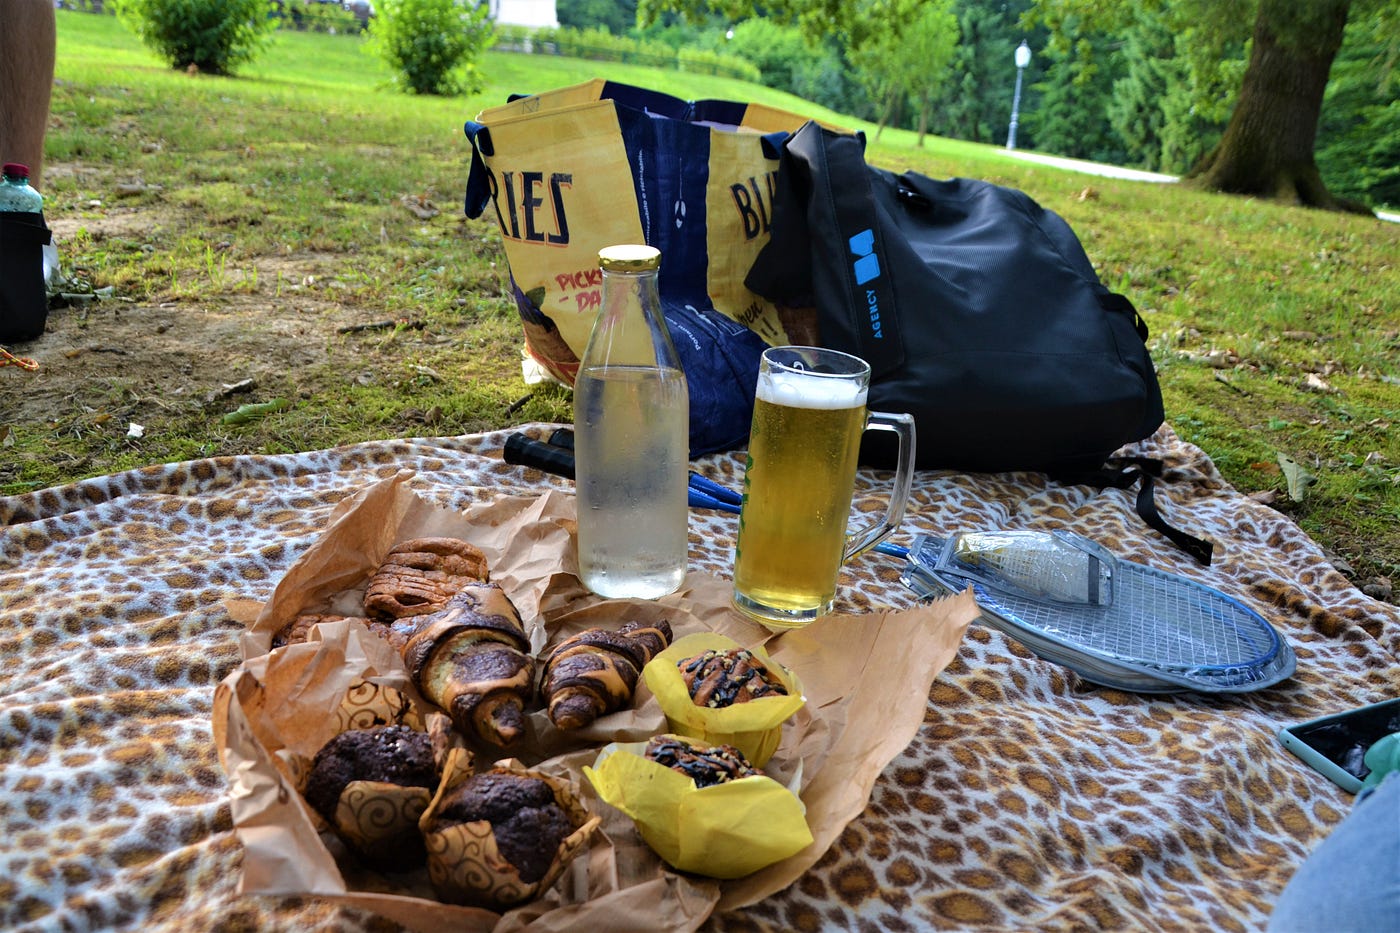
{"x":777,"y":51}
{"x":1071,"y":113}
{"x":432,"y":45}
{"x":975,"y":102}
{"x":616,"y":16}
{"x":1150,"y":72}
{"x":1274,"y":102}
{"x":1267,"y":147}
{"x":924,"y":53}
{"x":1359,"y":134}
{"x":213,"y":36}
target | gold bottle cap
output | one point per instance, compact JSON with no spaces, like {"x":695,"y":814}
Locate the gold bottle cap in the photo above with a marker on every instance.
{"x":629,"y":258}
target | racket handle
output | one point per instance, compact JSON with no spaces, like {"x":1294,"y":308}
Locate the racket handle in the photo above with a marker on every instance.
{"x":523,"y":450}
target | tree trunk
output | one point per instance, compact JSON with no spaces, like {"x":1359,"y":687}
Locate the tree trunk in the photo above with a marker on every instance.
{"x":1267,"y":148}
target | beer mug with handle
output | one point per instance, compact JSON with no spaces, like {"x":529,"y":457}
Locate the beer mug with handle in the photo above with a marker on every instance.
{"x":809,"y":415}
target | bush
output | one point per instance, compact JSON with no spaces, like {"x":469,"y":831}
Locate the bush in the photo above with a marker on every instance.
{"x":599,"y":45}
{"x":215,"y":36}
{"x":433,"y":45}
{"x":313,"y":16}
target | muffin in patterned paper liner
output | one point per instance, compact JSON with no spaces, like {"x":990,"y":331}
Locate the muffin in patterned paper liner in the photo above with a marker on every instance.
{"x":373,"y":779}
{"x":754,"y":727}
{"x":504,"y":836}
{"x":744,"y":822}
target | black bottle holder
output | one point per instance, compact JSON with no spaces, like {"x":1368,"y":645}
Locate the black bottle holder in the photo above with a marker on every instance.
{"x":24,"y":304}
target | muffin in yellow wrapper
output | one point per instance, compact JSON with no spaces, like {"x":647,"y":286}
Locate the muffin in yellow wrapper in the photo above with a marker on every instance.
{"x":755,"y":727}
{"x":722,"y":831}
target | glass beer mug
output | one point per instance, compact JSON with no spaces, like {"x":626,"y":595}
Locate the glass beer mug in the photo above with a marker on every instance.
{"x":808,"y":419}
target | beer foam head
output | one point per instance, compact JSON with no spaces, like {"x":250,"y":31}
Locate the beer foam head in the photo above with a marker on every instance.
{"x":809,"y":390}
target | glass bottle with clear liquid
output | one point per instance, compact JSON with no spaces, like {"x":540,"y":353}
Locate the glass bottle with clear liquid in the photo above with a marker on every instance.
{"x":631,"y":437}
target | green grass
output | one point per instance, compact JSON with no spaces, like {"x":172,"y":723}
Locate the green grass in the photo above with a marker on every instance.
{"x":1275,"y":329}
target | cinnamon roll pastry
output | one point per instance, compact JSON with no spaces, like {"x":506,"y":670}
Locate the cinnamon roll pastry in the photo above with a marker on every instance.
{"x":418,"y":576}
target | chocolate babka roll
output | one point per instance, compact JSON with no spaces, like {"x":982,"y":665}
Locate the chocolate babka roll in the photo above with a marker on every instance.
{"x":472,"y":659}
{"x":595,"y":672}
{"x":418,"y":576}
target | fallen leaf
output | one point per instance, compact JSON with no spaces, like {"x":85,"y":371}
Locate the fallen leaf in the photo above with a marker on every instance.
{"x":426,"y":371}
{"x":1317,"y":383}
{"x":231,"y":388}
{"x":1297,"y":478}
{"x":1264,"y":496}
{"x":419,"y":206}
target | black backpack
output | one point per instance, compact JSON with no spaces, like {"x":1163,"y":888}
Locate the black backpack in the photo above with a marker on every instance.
{"x":977,"y":309}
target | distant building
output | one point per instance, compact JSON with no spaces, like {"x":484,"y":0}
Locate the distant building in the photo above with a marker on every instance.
{"x":536,"y":13}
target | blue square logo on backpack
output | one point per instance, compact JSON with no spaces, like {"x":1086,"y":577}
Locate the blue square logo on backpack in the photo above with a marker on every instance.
{"x":867,"y":264}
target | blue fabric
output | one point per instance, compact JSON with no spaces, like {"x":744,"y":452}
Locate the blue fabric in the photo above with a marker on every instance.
{"x":1351,"y":881}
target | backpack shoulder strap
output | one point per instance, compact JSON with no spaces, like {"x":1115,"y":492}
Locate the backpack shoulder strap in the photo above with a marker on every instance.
{"x":1123,"y":473}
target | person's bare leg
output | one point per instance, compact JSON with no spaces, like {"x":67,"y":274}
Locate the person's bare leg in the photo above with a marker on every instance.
{"x":27,"y":49}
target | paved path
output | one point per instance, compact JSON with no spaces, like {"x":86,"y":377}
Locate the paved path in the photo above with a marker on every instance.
{"x":1092,"y":168}
{"x":1132,"y":174}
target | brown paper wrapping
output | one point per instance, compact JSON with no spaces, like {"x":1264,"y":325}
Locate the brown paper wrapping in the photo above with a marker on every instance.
{"x":866,"y":680}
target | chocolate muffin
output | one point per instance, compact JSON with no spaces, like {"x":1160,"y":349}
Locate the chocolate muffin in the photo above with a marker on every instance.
{"x":722,"y":678}
{"x":705,"y":765}
{"x":526,"y":820}
{"x":391,"y":754}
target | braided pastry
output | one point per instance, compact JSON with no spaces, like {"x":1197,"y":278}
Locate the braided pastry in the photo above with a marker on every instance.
{"x":472,"y":660}
{"x":419,"y":575}
{"x":595,"y":672}
{"x":723,"y":678}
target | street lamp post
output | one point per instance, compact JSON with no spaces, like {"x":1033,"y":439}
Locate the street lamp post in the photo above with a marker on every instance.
{"x":1023,"y":58}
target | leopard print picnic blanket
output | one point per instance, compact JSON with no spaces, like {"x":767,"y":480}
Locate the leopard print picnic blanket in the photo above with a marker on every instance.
{"x":1031,"y":799}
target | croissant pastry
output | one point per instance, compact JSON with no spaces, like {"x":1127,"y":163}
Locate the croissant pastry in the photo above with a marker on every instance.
{"x":472,"y":660}
{"x":419,"y":575}
{"x":595,"y":672}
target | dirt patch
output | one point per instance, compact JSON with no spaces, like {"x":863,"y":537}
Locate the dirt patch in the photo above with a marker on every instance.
{"x":167,"y":353}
